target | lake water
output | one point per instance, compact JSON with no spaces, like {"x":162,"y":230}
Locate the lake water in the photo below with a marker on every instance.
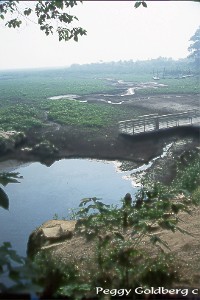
{"x":46,"y":191}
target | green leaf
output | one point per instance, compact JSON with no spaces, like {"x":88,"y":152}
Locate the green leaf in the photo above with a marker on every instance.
{"x":4,"y":200}
{"x":137,"y":4}
{"x":76,"y":38}
{"x":27,"y":11}
{"x":155,"y":239}
{"x":12,"y":177}
{"x":84,"y":201}
{"x":59,"y":4}
{"x":144,"y":4}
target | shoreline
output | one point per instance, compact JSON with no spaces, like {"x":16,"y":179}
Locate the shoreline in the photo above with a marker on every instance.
{"x":130,"y":152}
{"x":11,"y":165}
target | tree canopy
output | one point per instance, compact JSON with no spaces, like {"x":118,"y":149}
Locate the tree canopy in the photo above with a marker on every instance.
{"x":194,"y":48}
{"x":51,"y":16}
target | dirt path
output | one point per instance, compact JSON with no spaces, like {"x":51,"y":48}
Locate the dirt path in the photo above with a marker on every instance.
{"x":186,"y":248}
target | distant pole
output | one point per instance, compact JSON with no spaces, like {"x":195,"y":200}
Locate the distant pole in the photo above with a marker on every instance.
{"x":163,"y":73}
{"x":157,"y":123}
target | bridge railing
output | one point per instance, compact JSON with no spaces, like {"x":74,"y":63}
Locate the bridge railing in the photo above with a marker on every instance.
{"x":154,"y":122}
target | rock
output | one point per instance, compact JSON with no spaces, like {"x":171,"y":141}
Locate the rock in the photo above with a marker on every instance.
{"x":53,"y":231}
{"x":9,"y":140}
{"x":45,"y":148}
{"x":27,"y":149}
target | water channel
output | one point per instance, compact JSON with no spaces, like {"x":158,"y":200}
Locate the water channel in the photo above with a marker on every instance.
{"x":46,"y":191}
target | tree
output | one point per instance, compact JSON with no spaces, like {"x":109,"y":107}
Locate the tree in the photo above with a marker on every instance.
{"x":51,"y":16}
{"x":194,"y":48}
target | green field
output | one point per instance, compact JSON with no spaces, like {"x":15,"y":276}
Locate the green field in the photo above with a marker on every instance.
{"x":35,"y":86}
{"x":69,"y":112}
{"x":24,"y":96}
{"x":188,"y":85}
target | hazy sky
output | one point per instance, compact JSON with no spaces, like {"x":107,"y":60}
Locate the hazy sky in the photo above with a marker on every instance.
{"x":116,"y":31}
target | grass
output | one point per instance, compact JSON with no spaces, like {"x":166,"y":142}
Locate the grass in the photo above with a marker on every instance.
{"x":19,"y":117}
{"x":24,"y":95}
{"x":36,"y":86}
{"x":88,"y":115}
{"x":188,"y":85}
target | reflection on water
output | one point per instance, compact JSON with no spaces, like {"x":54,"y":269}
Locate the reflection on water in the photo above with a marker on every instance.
{"x":46,"y":191}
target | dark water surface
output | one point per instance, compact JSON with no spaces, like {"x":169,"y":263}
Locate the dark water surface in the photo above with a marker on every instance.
{"x":46,"y":191}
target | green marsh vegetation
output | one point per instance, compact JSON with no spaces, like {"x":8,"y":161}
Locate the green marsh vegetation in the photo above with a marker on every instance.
{"x":33,"y":86}
{"x":188,"y":85}
{"x":19,"y":117}
{"x":69,"y":112}
{"x":24,"y":94}
{"x":23,"y":99}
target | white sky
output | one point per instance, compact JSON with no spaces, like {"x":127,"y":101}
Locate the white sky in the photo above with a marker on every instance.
{"x":116,"y":31}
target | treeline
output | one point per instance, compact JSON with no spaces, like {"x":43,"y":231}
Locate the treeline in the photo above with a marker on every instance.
{"x":161,"y":65}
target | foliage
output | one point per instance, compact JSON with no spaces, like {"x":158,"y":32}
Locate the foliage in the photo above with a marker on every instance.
{"x":6,"y":178}
{"x":136,"y":70}
{"x":54,"y":275}
{"x":173,"y":86}
{"x":19,"y":117}
{"x":139,"y":3}
{"x":196,"y":195}
{"x":85,"y":114}
{"x":37,"y":85}
{"x":121,"y":233}
{"x":24,"y":102}
{"x":24,"y":94}
{"x":188,"y":175}
{"x":194,"y":48}
{"x":52,"y":16}
{"x":17,"y":272}
{"x":129,"y":251}
{"x":155,"y":206}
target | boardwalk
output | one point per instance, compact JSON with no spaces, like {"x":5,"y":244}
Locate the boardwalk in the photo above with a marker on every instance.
{"x":155,"y":122}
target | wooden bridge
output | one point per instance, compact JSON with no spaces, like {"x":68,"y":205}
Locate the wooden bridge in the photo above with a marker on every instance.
{"x":155,"y":122}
